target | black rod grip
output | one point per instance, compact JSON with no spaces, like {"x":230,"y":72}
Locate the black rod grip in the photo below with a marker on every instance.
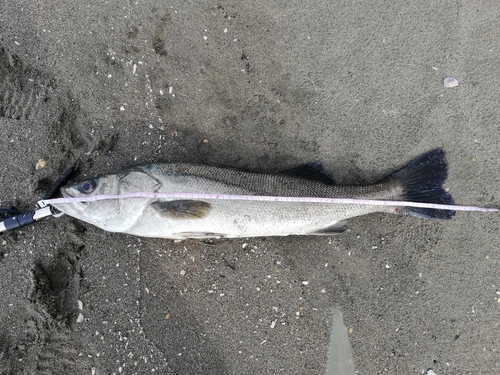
{"x":18,"y":221}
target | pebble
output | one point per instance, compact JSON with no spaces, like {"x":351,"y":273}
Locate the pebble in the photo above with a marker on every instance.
{"x":450,"y":82}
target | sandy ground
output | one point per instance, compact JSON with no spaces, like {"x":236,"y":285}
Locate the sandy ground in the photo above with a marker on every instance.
{"x":357,"y":85}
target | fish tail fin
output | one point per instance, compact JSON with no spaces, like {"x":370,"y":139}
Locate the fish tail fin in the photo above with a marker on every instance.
{"x":422,"y":181}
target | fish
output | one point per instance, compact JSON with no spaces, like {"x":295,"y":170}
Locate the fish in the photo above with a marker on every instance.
{"x":173,"y":218}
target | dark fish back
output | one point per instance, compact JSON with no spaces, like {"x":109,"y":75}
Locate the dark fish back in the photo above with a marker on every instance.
{"x":269,"y":184}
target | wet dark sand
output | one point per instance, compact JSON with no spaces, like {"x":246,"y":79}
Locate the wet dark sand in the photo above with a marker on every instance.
{"x":261,"y":86}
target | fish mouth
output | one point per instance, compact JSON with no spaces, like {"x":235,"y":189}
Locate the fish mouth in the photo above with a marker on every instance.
{"x":65,"y":194}
{"x":78,"y":207}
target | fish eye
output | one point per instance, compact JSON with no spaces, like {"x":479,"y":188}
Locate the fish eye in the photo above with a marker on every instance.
{"x":87,"y":186}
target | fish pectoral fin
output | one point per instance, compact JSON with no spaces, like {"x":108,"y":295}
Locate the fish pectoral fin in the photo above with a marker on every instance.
{"x":336,"y":228}
{"x":182,"y":209}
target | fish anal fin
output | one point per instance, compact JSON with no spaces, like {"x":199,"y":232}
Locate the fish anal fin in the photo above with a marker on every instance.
{"x":182,"y":209}
{"x":339,"y":227}
{"x":311,"y":171}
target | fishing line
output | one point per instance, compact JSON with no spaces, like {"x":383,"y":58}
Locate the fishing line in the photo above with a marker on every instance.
{"x":264,"y":198}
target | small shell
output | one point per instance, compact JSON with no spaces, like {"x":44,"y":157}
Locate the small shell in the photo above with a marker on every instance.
{"x":40,"y":164}
{"x":450,"y":82}
{"x":80,"y":318}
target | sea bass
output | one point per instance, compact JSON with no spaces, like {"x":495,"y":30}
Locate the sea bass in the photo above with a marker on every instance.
{"x":419,"y":181}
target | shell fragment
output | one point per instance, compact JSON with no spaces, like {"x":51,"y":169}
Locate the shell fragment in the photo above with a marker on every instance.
{"x":450,"y":82}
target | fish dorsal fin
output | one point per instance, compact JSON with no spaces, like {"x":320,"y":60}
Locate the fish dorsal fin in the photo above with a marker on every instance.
{"x":230,"y":167}
{"x":312,"y":171}
{"x":182,"y":209}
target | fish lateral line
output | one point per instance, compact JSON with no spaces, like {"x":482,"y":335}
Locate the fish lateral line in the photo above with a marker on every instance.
{"x":267,"y":198}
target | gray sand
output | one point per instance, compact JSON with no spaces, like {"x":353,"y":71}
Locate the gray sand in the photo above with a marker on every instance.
{"x":357,"y":85}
